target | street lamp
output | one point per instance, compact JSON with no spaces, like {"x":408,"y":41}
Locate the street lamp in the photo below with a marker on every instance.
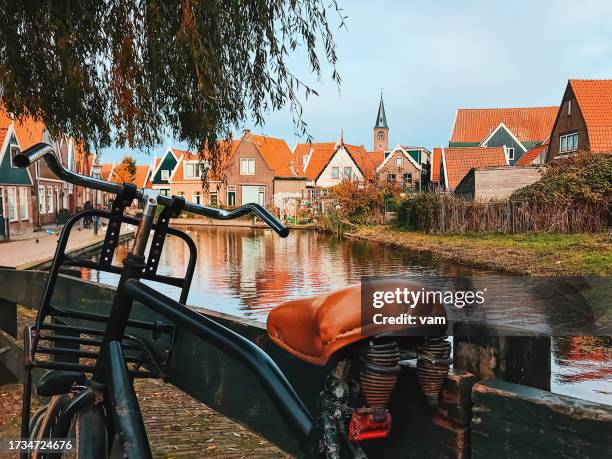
{"x":96,"y":172}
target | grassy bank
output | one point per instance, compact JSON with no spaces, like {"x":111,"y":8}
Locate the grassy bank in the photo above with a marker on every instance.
{"x":536,"y":254}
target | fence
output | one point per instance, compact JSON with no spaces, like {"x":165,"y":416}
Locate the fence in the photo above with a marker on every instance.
{"x":444,"y":214}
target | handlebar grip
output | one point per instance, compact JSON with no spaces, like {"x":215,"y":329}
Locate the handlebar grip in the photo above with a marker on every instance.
{"x":47,"y":152}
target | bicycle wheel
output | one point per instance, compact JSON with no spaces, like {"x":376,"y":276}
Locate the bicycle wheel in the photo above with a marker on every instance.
{"x":88,"y":435}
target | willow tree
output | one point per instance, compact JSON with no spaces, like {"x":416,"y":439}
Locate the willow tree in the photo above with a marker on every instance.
{"x":129,"y":72}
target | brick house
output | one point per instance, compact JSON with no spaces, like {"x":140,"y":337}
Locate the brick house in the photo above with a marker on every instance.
{"x":260,"y":169}
{"x":401,"y":167}
{"x":515,"y":129}
{"x":50,"y":194}
{"x":457,"y":162}
{"x":16,"y":207}
{"x":584,"y":120}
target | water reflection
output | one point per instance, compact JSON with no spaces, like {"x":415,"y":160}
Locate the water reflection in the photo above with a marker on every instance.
{"x":246,"y":272}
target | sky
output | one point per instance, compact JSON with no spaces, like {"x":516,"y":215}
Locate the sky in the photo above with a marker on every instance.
{"x":432,"y":57}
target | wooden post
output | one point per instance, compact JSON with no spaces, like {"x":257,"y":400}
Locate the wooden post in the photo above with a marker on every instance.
{"x":510,"y":420}
{"x":517,"y":359}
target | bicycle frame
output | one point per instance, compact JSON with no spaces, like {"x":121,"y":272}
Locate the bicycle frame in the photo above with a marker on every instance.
{"x":111,"y":380}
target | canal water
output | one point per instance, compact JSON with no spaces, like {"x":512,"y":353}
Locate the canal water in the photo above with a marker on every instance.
{"x":246,"y":272}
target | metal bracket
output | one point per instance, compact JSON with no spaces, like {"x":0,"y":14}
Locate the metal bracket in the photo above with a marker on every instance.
{"x":123,"y":200}
{"x":161,"y":228}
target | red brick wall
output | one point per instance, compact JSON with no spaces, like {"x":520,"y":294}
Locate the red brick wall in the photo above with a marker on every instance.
{"x":567,"y":124}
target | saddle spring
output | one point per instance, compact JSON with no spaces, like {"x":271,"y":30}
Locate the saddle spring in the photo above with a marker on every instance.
{"x":380,"y":368}
{"x":434,"y":359}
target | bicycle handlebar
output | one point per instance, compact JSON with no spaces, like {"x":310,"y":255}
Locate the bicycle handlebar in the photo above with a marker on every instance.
{"x":47,"y":152}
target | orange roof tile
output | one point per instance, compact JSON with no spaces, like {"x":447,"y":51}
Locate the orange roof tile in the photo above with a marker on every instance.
{"x":29,"y":132}
{"x":530,"y":155}
{"x":3,"y":132}
{"x":106,"y":171}
{"x":320,"y":155}
{"x":459,"y":161}
{"x":436,"y":159}
{"x":473,"y":125}
{"x":366,"y":161}
{"x":594,"y":97}
{"x":275,"y":152}
{"x":141,"y":174}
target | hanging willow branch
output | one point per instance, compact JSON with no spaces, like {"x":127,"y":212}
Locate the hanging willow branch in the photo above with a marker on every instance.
{"x":130,"y":72}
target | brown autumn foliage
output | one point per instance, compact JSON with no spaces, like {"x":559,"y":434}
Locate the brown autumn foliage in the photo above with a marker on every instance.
{"x":125,"y":171}
{"x":363,"y":203}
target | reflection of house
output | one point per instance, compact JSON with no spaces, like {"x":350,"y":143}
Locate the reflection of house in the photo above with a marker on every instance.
{"x":403,"y":168}
{"x":497,"y":182}
{"x":15,"y":184}
{"x":515,"y":129}
{"x":457,"y":162}
{"x":584,"y":120}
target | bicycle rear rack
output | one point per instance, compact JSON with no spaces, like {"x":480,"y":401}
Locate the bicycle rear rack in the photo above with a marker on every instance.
{"x":68,"y":339}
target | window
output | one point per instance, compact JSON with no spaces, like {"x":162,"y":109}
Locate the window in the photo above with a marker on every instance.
{"x":42,"y":206}
{"x":12,"y":203}
{"x":14,"y":152}
{"x":214,"y":199}
{"x":510,"y":153}
{"x":568,"y":142}
{"x":231,"y":198}
{"x":193,"y":169}
{"x":348,"y":172}
{"x":335,"y":172}
{"x":197,"y":197}
{"x":247,"y":166}
{"x":407,"y":178}
{"x":49,"y":199}
{"x":381,"y":135}
{"x":569,"y":108}
{"x":261,"y":198}
{"x":231,"y":195}
{"x":180,"y":194}
{"x":390,"y":178}
{"x":165,"y":174}
{"x":23,"y":203}
{"x":399,"y":161}
{"x":164,"y":191}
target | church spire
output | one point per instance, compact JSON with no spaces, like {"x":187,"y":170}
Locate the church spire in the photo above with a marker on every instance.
{"x":381,"y":119}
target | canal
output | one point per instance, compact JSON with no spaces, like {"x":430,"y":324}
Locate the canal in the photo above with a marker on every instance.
{"x":246,"y":272}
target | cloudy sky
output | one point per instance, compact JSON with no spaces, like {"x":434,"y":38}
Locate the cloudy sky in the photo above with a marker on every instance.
{"x":431,"y":58}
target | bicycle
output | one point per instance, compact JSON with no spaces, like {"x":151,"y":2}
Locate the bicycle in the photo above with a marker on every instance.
{"x":90,"y":379}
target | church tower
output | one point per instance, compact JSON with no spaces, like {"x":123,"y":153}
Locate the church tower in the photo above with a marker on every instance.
{"x":381,"y":130}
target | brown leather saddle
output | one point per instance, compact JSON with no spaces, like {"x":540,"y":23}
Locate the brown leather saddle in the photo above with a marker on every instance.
{"x":313,"y":329}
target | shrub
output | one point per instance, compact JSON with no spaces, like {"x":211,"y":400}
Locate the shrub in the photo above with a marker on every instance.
{"x":580,"y":178}
{"x":362,"y":203}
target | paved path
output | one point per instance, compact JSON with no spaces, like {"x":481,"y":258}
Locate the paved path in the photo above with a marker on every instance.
{"x":25,"y":253}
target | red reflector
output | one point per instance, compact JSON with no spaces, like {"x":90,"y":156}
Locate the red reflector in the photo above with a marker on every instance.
{"x":363,"y":426}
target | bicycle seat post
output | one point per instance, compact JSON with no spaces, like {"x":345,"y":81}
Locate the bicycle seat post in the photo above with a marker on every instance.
{"x":144,"y":229}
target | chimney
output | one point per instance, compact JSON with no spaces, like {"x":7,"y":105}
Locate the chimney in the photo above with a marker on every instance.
{"x":246,"y":132}
{"x":292,"y":167}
